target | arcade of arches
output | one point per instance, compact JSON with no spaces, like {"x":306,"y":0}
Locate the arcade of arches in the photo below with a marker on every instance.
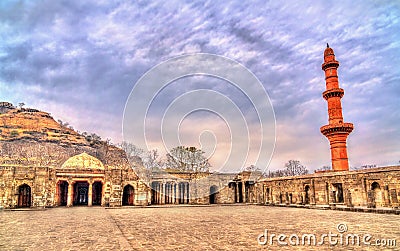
{"x":372,"y":188}
{"x":83,"y":180}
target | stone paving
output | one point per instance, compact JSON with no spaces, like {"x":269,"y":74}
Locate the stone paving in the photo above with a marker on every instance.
{"x":185,"y":228}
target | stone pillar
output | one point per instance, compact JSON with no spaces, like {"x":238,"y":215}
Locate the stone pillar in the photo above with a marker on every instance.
{"x":299,"y":199}
{"x":312,"y":195}
{"x":90,"y":194}
{"x":271,"y":198}
{"x":364,"y":192}
{"x":70,"y":194}
{"x":303,"y":197}
{"x":188,"y":193}
{"x":386,"y":201}
{"x":326,"y":193}
{"x":159,"y":193}
{"x":237,"y":192}
{"x":176,"y":193}
{"x":332,"y":197}
{"x":172,"y":199}
{"x":371,"y":199}
{"x":244,"y":197}
{"x":348,"y":199}
{"x":393,"y":198}
{"x":184,"y":192}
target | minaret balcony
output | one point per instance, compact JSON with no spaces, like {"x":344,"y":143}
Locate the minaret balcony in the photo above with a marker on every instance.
{"x":330,"y":64}
{"x":337,"y":128}
{"x":337,"y":92}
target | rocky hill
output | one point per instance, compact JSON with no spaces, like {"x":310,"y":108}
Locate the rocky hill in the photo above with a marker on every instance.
{"x":21,"y":129}
{"x":27,"y":123}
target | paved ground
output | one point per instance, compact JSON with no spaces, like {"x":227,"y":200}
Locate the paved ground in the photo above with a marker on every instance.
{"x":186,"y":228}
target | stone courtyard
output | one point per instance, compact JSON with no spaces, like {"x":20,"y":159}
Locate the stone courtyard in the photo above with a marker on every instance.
{"x":216,"y":227}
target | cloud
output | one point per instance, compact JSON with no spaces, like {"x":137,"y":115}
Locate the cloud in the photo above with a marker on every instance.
{"x":80,"y":60}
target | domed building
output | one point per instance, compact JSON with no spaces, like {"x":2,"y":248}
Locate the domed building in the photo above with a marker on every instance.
{"x":48,"y":165}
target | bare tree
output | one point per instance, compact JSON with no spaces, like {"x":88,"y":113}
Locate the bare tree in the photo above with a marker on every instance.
{"x":252,"y":168}
{"x":150,"y":159}
{"x":274,"y":174}
{"x":294,"y":167}
{"x":187,"y":159}
{"x":131,"y":150}
{"x":21,"y":105}
{"x":368,"y":166}
{"x":323,"y":169}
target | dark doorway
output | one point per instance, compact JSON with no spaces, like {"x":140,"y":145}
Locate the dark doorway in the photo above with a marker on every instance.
{"x":267,"y":195}
{"x":81,"y":193}
{"x":307,"y":194}
{"x":96,"y":193}
{"x":62,"y":193}
{"x":213,"y":194}
{"x":339,"y":192}
{"x":128,"y":196}
{"x":24,"y":196}
{"x":240,"y":187}
{"x":377,"y":194}
{"x":155,"y":192}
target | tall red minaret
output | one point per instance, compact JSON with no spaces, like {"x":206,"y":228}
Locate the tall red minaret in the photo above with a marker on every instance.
{"x":336,"y":131}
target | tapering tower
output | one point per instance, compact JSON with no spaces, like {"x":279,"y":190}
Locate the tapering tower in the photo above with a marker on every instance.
{"x":336,"y":131}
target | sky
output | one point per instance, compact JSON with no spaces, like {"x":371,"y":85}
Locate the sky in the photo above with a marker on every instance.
{"x":80,"y":61}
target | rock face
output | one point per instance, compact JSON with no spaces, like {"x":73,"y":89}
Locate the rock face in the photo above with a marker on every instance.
{"x":26,"y":123}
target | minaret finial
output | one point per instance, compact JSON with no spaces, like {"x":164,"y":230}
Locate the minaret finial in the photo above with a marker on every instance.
{"x":327,"y":45}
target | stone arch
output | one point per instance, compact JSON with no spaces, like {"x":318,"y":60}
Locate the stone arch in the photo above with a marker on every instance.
{"x":128,"y":196}
{"x":214,"y":194}
{"x":80,"y":193}
{"x":97,"y":192}
{"x":377,"y":193}
{"x":24,"y":196}
{"x":62,"y":193}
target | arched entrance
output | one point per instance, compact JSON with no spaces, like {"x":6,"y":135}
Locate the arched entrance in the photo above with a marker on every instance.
{"x":96,"y":193}
{"x":128,"y":196}
{"x":24,"y":196}
{"x":376,"y":189}
{"x":62,"y":193}
{"x":213,"y":194}
{"x":81,"y":195}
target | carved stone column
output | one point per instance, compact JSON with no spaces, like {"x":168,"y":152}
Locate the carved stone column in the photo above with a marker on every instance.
{"x":90,"y":194}
{"x":70,"y":194}
{"x":386,"y":200}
